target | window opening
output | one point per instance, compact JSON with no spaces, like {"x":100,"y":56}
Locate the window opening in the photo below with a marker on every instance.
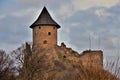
{"x":45,"y":42}
{"x":49,"y":33}
{"x":54,"y":27}
{"x":64,"y":56}
{"x":39,"y":27}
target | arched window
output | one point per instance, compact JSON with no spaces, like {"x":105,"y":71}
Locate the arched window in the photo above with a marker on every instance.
{"x":49,"y":33}
{"x":45,"y":41}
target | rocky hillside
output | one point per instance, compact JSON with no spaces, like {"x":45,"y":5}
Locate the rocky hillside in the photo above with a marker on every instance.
{"x":58,"y":63}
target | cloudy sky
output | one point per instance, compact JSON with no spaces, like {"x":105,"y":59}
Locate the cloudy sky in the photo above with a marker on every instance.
{"x":85,"y":24}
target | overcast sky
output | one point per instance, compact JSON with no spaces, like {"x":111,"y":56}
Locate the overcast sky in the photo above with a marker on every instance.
{"x":83,"y":23}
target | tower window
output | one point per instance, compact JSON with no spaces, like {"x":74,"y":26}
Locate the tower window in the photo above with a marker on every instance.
{"x":39,"y":27}
{"x":45,"y":42}
{"x":49,"y":33}
{"x":54,"y":27}
{"x":64,"y":56}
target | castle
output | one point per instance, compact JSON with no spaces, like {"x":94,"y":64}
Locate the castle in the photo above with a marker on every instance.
{"x":58,"y":59}
{"x":45,"y":36}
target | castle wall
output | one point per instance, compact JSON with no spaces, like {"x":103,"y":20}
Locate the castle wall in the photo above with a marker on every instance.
{"x":92,"y":59}
{"x":44,"y":36}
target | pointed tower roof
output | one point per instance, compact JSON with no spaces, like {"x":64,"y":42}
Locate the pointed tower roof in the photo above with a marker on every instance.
{"x":44,"y":19}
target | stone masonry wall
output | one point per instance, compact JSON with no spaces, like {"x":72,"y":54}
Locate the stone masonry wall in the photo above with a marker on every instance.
{"x":44,"y":36}
{"x":92,"y":59}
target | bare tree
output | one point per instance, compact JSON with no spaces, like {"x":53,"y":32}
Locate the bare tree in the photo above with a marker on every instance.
{"x":18,"y":57}
{"x":6,"y":66}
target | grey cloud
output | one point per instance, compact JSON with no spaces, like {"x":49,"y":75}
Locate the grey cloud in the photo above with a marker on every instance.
{"x":14,"y":31}
{"x":106,"y":29}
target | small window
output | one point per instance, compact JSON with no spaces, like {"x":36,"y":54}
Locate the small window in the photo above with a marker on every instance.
{"x":45,"y":42}
{"x":39,"y":27}
{"x":73,"y":66}
{"x":49,"y":33}
{"x":64,"y":56}
{"x":92,"y":61}
{"x":54,"y":27}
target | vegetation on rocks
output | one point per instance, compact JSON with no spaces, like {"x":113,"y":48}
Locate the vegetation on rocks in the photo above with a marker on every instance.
{"x":55,"y":63}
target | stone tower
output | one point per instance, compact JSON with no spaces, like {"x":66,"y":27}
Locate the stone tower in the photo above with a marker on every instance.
{"x":44,"y":30}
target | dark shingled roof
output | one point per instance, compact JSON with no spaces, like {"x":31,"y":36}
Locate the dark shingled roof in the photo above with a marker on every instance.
{"x":44,"y":19}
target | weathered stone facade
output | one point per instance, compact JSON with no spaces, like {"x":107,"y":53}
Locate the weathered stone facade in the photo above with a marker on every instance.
{"x":44,"y":36}
{"x":92,"y":59}
{"x":58,"y":61}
